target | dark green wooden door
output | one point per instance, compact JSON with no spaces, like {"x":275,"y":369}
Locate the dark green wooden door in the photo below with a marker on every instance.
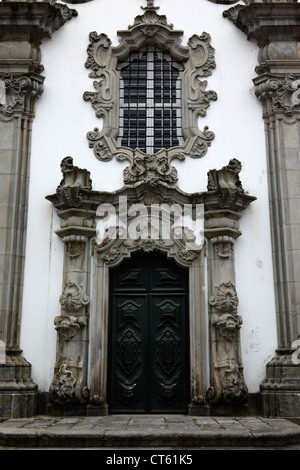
{"x":148,"y":357}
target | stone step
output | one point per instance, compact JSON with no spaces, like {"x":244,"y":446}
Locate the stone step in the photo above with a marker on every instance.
{"x":149,"y":432}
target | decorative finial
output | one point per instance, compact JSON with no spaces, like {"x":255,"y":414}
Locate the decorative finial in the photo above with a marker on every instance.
{"x":150,"y":6}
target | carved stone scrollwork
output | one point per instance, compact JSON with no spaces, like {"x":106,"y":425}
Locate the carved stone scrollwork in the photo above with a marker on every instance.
{"x":74,"y":245}
{"x":73,"y":177}
{"x":65,"y":12}
{"x":234,"y":387}
{"x":232,"y":13}
{"x":229,"y":386}
{"x":73,"y":298}
{"x":62,"y":389}
{"x":19,"y":93}
{"x":224,"y":245}
{"x":226,"y":298}
{"x":227,"y":182}
{"x":283,"y":94}
{"x":227,"y":200}
{"x":67,"y":325}
{"x":228,"y":324}
{"x":201,"y":47}
{"x":149,"y":168}
{"x":66,"y":389}
{"x":197,"y":60}
{"x":112,"y":249}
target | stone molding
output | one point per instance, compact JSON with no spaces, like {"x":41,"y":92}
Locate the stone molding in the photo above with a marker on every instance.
{"x":198,"y":61}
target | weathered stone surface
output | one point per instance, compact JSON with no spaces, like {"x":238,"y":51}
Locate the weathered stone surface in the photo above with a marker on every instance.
{"x":163,"y":431}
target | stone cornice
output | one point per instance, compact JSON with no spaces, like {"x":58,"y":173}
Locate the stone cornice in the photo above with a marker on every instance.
{"x":267,"y":22}
{"x":23,"y":25}
{"x":20,"y":21}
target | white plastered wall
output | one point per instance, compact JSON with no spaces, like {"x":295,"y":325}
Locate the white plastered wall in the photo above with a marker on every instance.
{"x":62,"y":120}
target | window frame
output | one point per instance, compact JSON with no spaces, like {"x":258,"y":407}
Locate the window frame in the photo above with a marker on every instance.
{"x":197,"y":61}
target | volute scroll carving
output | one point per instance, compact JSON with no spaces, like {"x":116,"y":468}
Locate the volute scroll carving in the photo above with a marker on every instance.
{"x":73,"y":297}
{"x":282,"y":95}
{"x":228,"y":324}
{"x":226,"y":299}
{"x":224,"y":245}
{"x":74,"y":245}
{"x":234,"y":387}
{"x":229,"y":386}
{"x":67,"y":389}
{"x":67,"y":325}
{"x":62,"y":389}
{"x":18,"y":94}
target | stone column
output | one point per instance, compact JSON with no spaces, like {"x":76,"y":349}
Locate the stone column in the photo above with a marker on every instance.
{"x":276,"y":27}
{"x":224,"y":201}
{"x":22,"y":27}
{"x":69,"y":389}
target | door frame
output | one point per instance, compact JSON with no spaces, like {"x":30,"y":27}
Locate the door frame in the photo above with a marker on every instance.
{"x":111,"y":255}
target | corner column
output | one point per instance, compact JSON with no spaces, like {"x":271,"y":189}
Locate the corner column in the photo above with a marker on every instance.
{"x":22,"y":26}
{"x":276,"y":27}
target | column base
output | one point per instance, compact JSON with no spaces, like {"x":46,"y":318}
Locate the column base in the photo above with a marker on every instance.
{"x":94,"y":410}
{"x":18,"y":393}
{"x":198,"y":410}
{"x":280,"y":391}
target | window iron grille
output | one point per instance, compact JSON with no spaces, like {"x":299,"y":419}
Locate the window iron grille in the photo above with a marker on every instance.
{"x":150,"y":101}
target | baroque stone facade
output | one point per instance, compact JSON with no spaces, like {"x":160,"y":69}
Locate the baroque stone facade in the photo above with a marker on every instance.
{"x":217,"y":380}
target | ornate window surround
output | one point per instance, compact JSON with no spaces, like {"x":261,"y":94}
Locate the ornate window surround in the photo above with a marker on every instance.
{"x":197,"y":59}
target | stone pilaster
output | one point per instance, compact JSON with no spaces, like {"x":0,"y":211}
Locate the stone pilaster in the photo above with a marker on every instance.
{"x":224,"y":201}
{"x":69,"y":391}
{"x":22,"y":27}
{"x":276,"y":27}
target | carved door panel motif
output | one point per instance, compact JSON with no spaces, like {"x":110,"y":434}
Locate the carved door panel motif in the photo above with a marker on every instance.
{"x":148,"y":354}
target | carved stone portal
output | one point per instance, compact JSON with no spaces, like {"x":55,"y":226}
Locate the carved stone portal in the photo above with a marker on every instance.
{"x":82,"y":326}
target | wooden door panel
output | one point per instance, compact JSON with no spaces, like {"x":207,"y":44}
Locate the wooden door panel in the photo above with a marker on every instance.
{"x":148,"y":360}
